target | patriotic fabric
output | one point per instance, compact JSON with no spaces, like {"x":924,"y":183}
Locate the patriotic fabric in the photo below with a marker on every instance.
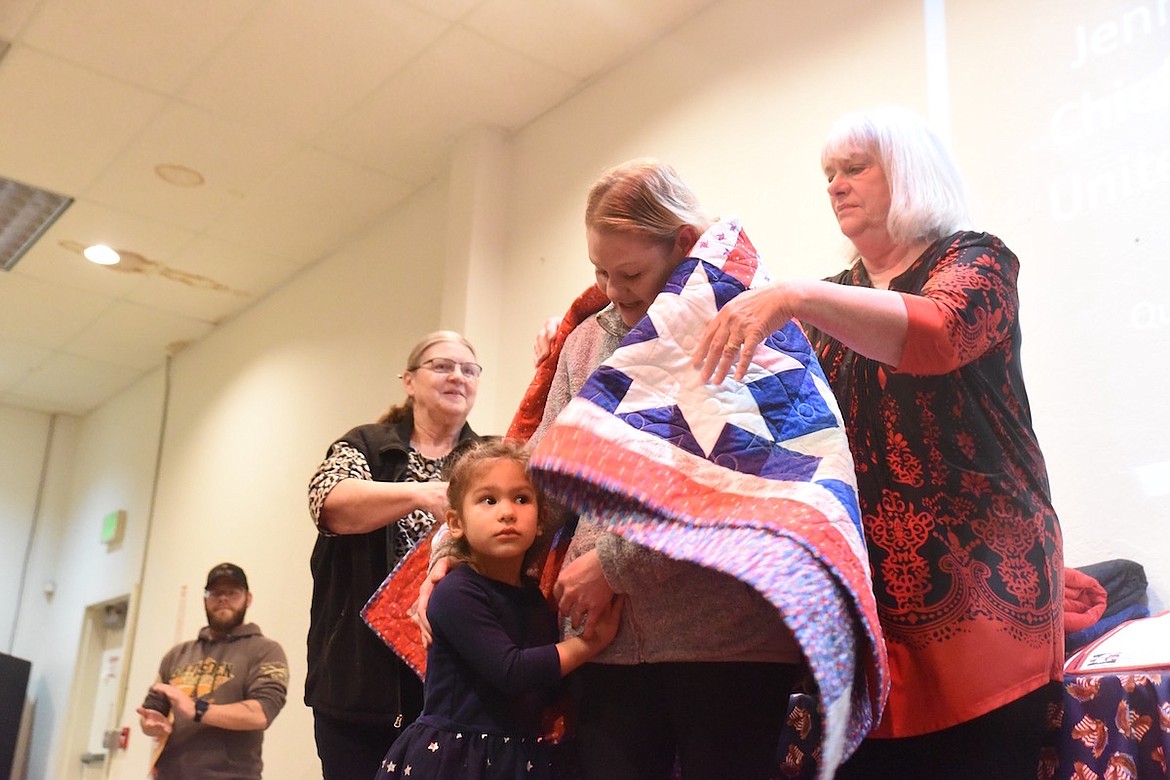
{"x":753,"y":478}
{"x":387,"y":613}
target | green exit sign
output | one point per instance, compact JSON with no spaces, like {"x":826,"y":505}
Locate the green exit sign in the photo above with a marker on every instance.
{"x":113,"y":525}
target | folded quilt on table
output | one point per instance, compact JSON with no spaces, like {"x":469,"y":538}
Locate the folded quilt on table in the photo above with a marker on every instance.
{"x":1124,"y":582}
{"x":1084,"y":601}
{"x":753,"y":479}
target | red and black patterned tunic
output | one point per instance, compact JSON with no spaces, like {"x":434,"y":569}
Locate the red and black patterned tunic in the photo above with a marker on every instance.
{"x":963,"y":539}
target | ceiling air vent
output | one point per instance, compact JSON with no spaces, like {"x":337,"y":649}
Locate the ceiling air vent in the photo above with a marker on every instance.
{"x":25,"y":213}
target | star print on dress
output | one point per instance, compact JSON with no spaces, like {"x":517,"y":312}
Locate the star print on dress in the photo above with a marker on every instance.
{"x":433,"y":747}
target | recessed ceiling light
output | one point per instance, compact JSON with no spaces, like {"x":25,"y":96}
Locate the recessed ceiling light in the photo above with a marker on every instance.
{"x":101,"y":254}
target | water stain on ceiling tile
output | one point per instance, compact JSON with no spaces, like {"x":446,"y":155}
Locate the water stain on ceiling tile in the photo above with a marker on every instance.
{"x":134,"y":263}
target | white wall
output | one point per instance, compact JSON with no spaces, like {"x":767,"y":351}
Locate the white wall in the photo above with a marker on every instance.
{"x":22,"y":454}
{"x":97,"y":465}
{"x":1060,"y":121}
{"x":738,"y":99}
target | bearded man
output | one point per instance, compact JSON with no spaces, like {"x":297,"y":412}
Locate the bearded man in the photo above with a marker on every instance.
{"x":218,"y":692}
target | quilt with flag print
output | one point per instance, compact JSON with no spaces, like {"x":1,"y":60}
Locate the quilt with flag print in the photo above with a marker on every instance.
{"x":752,"y":478}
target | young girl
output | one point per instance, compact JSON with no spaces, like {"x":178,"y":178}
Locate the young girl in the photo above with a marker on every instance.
{"x":494,"y":662}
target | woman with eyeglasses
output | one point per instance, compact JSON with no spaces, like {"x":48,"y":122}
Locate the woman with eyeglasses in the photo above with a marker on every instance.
{"x":375,"y":495}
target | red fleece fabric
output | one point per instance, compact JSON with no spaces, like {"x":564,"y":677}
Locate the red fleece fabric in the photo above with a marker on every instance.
{"x":1084,"y":601}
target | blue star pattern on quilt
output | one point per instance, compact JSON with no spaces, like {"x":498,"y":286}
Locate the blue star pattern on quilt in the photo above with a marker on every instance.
{"x":651,"y":385}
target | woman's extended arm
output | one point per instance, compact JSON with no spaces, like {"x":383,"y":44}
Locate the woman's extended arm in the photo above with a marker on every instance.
{"x":464,"y":617}
{"x":357,"y":506}
{"x":871,"y":322}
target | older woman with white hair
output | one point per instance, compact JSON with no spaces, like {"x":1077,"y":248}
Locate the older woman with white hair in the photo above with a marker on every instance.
{"x":920,"y":340}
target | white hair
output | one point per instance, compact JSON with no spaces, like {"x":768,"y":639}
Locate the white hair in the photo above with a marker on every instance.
{"x":928,"y":199}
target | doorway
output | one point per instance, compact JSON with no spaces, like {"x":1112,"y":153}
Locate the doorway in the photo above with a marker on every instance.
{"x":96,"y":700}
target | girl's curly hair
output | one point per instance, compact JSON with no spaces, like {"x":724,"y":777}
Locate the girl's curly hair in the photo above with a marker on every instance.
{"x":462,"y":472}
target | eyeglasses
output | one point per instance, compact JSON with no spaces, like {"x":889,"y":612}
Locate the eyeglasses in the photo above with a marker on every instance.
{"x":231,"y":594}
{"x":444,"y":366}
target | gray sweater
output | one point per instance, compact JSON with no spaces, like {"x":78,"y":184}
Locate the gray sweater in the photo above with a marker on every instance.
{"x":674,"y":610}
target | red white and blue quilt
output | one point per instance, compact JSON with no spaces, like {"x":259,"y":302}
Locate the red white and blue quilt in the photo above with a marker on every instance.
{"x":752,"y":478}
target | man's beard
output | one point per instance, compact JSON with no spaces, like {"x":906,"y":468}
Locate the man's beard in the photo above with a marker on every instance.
{"x":225,"y":626}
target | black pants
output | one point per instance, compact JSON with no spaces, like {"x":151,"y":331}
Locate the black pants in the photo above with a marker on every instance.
{"x":351,"y":751}
{"x":721,"y":720}
{"x":1006,"y":744}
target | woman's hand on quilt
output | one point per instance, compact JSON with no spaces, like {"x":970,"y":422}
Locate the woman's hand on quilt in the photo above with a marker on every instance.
{"x":731,"y":336}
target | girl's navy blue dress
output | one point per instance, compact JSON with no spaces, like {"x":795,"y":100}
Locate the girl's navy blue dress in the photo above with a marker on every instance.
{"x":491,"y":670}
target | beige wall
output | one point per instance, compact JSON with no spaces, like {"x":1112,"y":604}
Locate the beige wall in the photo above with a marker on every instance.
{"x":738,"y":99}
{"x":96,"y":465}
{"x":22,"y":453}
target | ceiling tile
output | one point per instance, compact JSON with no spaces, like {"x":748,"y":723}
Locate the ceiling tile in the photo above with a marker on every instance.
{"x":294,"y":66}
{"x":146,"y":42}
{"x":578,"y":37}
{"x":148,"y":245}
{"x":447,"y":9}
{"x":300,"y":123}
{"x":461,"y":82}
{"x":45,"y":315}
{"x":484,"y":78}
{"x":134,"y":336}
{"x":60,"y":263}
{"x":14,"y":15}
{"x":17,"y":359}
{"x":309,"y":206}
{"x":67,"y":122}
{"x":70,"y":384}
{"x":229,"y":160}
{"x":212,"y":280}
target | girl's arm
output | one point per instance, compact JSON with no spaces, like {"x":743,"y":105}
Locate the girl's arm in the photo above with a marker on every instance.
{"x":464,"y":615}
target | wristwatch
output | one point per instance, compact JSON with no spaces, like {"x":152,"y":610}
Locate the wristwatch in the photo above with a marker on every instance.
{"x":201,"y":706}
